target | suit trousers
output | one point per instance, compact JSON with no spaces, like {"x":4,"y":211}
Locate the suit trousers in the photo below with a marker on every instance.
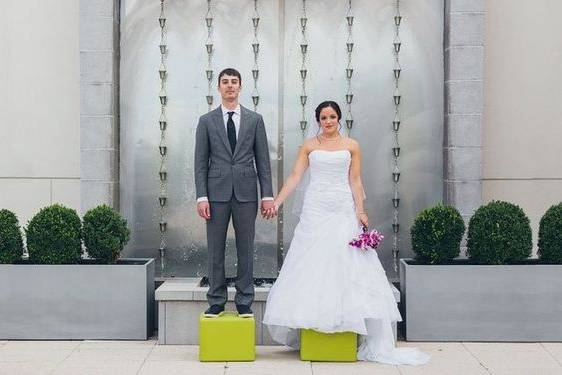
{"x":244,"y":221}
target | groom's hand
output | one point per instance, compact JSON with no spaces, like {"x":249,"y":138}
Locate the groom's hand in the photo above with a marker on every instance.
{"x":266,"y":208}
{"x":204,"y":210}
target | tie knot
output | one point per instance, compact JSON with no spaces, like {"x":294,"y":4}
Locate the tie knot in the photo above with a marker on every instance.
{"x":230,"y":114}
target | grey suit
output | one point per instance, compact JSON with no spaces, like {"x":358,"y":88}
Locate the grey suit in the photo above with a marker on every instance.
{"x":230,"y":183}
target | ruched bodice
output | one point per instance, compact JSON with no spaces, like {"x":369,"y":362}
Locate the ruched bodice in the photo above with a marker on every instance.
{"x":329,"y":188}
{"x":329,"y":168}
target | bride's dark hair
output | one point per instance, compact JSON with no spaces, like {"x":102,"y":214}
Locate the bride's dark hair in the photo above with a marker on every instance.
{"x":326,"y":104}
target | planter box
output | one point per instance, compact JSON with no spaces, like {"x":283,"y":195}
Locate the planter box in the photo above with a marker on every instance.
{"x":462,"y":302}
{"x":77,"y":301}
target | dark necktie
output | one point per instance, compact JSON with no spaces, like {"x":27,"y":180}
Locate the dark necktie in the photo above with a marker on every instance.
{"x":231,"y":130}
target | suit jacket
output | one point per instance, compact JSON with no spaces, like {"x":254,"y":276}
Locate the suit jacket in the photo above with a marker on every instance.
{"x":219,"y":172}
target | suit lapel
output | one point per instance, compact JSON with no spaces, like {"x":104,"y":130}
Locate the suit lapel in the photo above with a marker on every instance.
{"x":219,"y":125}
{"x":243,"y":128}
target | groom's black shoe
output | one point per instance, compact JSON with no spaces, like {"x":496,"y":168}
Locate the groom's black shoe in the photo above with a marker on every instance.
{"x":244,"y":311}
{"x":214,"y":311}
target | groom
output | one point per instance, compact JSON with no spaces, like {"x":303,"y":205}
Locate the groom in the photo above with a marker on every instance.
{"x":229,"y":141}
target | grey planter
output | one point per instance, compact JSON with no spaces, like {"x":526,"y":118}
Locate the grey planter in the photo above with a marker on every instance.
{"x":82,"y":301}
{"x":482,"y":302}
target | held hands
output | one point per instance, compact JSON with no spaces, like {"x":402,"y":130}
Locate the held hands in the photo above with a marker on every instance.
{"x":269,"y":209}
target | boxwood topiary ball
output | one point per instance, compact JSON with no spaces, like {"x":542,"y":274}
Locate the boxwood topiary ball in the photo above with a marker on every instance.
{"x":550,"y":235}
{"x":436,"y":234}
{"x":11,"y":243}
{"x":105,"y":233}
{"x":499,"y":232}
{"x":54,"y":236}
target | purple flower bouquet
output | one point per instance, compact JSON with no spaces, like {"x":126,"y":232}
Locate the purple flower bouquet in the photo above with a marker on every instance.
{"x":367,"y":239}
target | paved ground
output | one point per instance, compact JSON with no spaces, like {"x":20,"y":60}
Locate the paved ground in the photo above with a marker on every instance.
{"x":147,"y":357}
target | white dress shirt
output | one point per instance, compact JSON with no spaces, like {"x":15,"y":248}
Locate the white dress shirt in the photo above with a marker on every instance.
{"x":236,"y":119}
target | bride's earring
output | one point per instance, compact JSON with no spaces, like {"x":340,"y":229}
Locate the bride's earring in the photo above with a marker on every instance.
{"x":339,"y":129}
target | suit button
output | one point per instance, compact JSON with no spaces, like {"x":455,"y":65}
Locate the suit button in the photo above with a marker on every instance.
{"x":232,"y":163}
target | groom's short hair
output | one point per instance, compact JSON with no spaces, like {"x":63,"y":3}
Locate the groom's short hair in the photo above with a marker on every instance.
{"x":230,"y":72}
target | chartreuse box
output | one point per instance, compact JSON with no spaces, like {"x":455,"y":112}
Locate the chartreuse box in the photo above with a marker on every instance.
{"x":227,"y":338}
{"x":328,"y":347}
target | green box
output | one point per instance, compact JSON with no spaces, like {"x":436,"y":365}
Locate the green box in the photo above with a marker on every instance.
{"x":328,"y":347}
{"x":227,"y":338}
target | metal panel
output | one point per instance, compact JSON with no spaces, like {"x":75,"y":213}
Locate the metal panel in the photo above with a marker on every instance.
{"x":420,"y":134}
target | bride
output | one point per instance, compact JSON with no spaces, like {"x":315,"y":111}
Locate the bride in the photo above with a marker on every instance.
{"x":324,"y":283}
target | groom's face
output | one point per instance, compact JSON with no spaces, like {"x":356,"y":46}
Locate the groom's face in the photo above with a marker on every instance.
{"x":229,"y":87}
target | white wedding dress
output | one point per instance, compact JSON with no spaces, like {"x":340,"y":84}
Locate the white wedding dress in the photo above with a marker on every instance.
{"x":327,"y":285}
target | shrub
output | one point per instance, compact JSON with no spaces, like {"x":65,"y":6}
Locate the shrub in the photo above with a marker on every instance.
{"x":11,"y":243}
{"x":54,"y":236}
{"x":436,"y":234}
{"x":105,"y":233}
{"x":499,"y":232}
{"x":550,"y":235}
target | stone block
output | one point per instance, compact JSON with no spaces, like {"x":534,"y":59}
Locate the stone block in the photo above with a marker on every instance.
{"x":98,"y":164}
{"x":97,"y":132}
{"x":463,"y":163}
{"x":181,"y":326}
{"x":464,"y":29}
{"x":97,"y":7}
{"x":96,"y":99}
{"x":96,"y":33}
{"x":96,"y":66}
{"x":463,"y":130}
{"x":464,"y":97}
{"x":465,"y":5}
{"x":466,"y":196}
{"x":464,"y":63}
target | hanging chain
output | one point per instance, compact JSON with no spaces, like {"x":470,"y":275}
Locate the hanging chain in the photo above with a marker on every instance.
{"x":163,"y":123}
{"x":256,"y":50}
{"x":395,"y":127}
{"x":209,"y":47}
{"x":349,"y":69}
{"x":303,"y":71}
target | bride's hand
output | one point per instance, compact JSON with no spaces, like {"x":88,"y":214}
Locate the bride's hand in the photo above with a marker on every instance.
{"x":275,"y":208}
{"x":363,"y":219}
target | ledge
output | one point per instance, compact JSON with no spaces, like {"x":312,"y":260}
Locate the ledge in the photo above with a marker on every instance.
{"x":182,"y":290}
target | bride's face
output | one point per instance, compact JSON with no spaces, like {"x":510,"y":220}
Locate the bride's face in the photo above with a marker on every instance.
{"x":329,"y":121}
